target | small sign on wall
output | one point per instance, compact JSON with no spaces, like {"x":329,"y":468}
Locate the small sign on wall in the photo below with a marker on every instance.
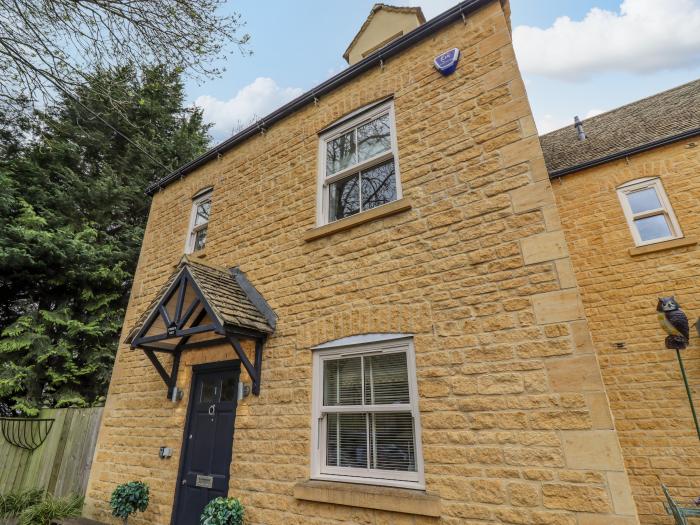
{"x":446,"y":62}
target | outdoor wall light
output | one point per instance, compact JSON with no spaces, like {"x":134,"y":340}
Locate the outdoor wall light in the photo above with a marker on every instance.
{"x":176,"y":395}
{"x":243,"y":390}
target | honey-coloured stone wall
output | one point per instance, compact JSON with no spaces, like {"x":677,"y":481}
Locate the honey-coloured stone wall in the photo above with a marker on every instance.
{"x":620,"y":291}
{"x":515,"y":421}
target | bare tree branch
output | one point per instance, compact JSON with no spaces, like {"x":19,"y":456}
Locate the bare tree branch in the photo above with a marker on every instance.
{"x":49,"y":47}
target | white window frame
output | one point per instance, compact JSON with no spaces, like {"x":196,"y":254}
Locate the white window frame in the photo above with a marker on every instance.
{"x":666,"y":210}
{"x":192,"y":230}
{"x":390,"y":478}
{"x":324,"y":182}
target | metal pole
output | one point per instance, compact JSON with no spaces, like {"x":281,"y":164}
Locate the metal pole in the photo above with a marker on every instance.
{"x":687,"y":389}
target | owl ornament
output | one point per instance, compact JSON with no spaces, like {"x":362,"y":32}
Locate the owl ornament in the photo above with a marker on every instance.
{"x":674,"y":321}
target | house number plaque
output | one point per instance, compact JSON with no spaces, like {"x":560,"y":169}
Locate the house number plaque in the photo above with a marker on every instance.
{"x":204,"y":481}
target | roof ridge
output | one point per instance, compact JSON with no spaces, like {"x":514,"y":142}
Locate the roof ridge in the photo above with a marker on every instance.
{"x":618,"y":108}
{"x":436,"y":23}
{"x":646,"y":123}
{"x":188,"y":261}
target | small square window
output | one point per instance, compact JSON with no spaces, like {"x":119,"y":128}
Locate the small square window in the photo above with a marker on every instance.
{"x":358,"y":165}
{"x":365,"y":402}
{"x":648,"y":212}
{"x":199,"y":223}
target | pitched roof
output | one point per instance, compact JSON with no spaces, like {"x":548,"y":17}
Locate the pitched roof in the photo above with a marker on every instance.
{"x":230,"y":297}
{"x":385,"y":7}
{"x":227,"y":298}
{"x":456,"y":12}
{"x":653,"y":121}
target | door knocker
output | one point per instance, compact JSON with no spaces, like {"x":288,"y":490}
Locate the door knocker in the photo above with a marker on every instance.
{"x":212,"y":409}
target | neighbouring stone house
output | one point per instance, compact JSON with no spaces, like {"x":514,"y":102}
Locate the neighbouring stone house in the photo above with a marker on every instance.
{"x":379,"y":263}
{"x":628,"y":199}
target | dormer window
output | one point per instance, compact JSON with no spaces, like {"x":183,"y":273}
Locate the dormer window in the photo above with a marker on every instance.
{"x":648,"y":211}
{"x":199,"y":222}
{"x":358,"y":165}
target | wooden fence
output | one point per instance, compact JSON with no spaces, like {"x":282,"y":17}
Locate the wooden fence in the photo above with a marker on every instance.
{"x":61,"y":465}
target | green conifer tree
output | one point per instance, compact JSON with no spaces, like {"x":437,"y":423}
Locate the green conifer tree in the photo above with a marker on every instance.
{"x":73,"y":213}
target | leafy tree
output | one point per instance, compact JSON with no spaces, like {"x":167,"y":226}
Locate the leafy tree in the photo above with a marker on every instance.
{"x":47,"y":46}
{"x":73,"y":213}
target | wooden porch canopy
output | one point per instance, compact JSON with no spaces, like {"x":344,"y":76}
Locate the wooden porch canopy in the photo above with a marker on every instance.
{"x":201,"y":306}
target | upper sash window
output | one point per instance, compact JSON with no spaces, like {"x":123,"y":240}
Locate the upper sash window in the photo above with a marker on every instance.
{"x":648,"y":211}
{"x":358,"y":165}
{"x":199,"y":223}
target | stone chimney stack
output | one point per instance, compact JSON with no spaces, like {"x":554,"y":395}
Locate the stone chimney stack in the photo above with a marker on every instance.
{"x":384,"y":24}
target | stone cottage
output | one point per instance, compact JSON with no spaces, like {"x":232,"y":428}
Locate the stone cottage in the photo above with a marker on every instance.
{"x":628,"y":193}
{"x":358,"y":309}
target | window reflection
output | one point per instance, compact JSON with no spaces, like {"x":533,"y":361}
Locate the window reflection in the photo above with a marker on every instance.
{"x":344,"y":198}
{"x":373,"y":138}
{"x":340,"y":153}
{"x":378,"y":186}
{"x":210,"y":391}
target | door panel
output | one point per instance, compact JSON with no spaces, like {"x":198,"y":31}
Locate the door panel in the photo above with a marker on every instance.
{"x":208,"y":442}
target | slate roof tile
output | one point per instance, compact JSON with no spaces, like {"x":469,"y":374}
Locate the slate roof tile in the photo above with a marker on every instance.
{"x":223,"y":294}
{"x":636,"y":125}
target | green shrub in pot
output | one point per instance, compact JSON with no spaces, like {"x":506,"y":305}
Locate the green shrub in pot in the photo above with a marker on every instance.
{"x":128,"y":498}
{"x":223,"y":511}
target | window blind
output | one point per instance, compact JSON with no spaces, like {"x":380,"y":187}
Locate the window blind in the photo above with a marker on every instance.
{"x":369,"y":436}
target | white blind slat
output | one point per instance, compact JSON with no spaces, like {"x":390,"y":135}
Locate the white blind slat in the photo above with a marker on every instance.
{"x":369,"y":439}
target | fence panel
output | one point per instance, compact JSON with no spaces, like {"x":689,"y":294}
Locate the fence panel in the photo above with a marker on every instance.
{"x":61,"y":465}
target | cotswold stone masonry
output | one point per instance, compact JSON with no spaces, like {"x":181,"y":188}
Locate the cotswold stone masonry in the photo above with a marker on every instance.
{"x":515,"y":421}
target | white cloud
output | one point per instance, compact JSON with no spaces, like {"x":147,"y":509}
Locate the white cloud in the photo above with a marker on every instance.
{"x":593,"y":112}
{"x":252,"y":102}
{"x":645,"y":36}
{"x":549,"y":122}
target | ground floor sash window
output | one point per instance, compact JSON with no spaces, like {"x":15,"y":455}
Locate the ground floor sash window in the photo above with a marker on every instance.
{"x":367,"y":424}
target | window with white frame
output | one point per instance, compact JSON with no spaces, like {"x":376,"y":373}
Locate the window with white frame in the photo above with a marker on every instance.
{"x":358,"y":165}
{"x":366,"y":419}
{"x":199,"y":222}
{"x":648,"y":211}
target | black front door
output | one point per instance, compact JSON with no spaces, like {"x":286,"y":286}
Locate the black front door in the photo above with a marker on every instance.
{"x":208,"y":440}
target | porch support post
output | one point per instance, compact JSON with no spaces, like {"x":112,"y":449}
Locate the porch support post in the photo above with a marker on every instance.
{"x":159,"y":368}
{"x":258,"y":365}
{"x":172,"y":384}
{"x":252,"y":371}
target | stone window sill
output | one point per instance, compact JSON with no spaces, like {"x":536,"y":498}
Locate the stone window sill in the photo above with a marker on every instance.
{"x":350,"y":222}
{"x":406,"y":501}
{"x":660,"y":246}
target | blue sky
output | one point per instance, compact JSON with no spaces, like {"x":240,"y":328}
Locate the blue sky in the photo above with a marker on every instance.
{"x":605,"y":53}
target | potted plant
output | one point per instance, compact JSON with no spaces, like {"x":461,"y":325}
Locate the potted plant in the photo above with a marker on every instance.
{"x":128,"y":498}
{"x":223,"y":511}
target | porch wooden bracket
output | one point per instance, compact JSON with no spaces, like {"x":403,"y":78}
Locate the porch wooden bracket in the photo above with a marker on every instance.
{"x":170,"y":380}
{"x":207,"y":314}
{"x":253,"y":369}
